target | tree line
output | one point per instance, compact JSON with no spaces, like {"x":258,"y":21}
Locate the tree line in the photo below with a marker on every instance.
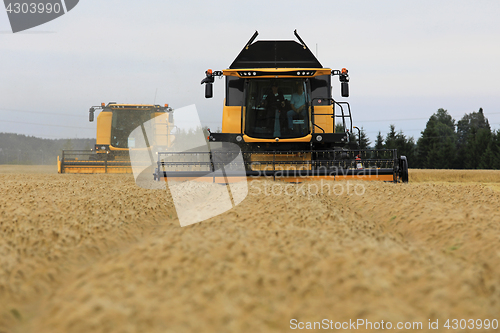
{"x":22,"y":149}
{"x":445,"y":143}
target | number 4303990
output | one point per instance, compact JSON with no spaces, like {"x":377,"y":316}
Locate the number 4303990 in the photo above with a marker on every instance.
{"x":471,"y":324}
{"x":32,"y":8}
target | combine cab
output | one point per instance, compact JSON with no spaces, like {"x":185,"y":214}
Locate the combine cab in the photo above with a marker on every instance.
{"x":280,"y":113}
{"x":114,"y":125}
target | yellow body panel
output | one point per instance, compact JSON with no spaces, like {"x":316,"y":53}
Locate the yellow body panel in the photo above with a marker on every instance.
{"x":231,"y":119}
{"x":162,"y":130}
{"x":97,"y":169}
{"x":326,"y":122}
{"x":388,"y":178}
{"x":274,"y":71}
{"x":103,"y":136}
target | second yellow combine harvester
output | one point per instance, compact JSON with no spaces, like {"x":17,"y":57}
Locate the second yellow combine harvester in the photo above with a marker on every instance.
{"x":115,"y":123}
{"x":280,"y":113}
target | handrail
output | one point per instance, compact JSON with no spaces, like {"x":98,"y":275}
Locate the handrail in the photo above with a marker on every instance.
{"x":343,"y":115}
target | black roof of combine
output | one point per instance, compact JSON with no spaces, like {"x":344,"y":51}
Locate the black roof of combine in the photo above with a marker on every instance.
{"x":275,"y":54}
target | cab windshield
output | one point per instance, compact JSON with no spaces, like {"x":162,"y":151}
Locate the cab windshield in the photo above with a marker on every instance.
{"x":277,"y":108}
{"x":124,"y":122}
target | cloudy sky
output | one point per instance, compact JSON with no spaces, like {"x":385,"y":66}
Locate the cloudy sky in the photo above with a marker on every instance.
{"x":406,"y":59}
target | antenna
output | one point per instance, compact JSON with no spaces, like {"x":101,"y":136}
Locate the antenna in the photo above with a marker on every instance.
{"x":155,"y":96}
{"x":252,"y":39}
{"x":300,"y":39}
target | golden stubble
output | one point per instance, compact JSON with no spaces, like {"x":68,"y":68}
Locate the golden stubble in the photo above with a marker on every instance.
{"x":96,"y":253}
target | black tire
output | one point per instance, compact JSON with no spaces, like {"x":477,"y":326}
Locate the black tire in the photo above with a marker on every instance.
{"x":403,"y":169}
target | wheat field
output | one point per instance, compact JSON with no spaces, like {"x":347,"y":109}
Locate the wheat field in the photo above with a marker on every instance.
{"x":96,"y":253}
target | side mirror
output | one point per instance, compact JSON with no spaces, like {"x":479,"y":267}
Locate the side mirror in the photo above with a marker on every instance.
{"x":91,"y":114}
{"x":208,"y":90}
{"x":344,"y":87}
{"x":171,"y":118}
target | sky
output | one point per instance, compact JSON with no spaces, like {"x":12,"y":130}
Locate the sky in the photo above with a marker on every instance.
{"x":406,"y":59}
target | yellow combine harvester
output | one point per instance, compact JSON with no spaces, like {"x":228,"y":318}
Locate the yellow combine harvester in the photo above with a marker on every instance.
{"x":280,"y":112}
{"x":115,"y":122}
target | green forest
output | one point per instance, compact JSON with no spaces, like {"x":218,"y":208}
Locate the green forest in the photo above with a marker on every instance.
{"x":444,"y":144}
{"x":22,"y":149}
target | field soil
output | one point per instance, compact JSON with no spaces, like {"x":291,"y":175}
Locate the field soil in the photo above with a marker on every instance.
{"x":96,"y":253}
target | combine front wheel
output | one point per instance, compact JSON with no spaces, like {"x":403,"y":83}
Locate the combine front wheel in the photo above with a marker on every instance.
{"x":403,"y":169}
